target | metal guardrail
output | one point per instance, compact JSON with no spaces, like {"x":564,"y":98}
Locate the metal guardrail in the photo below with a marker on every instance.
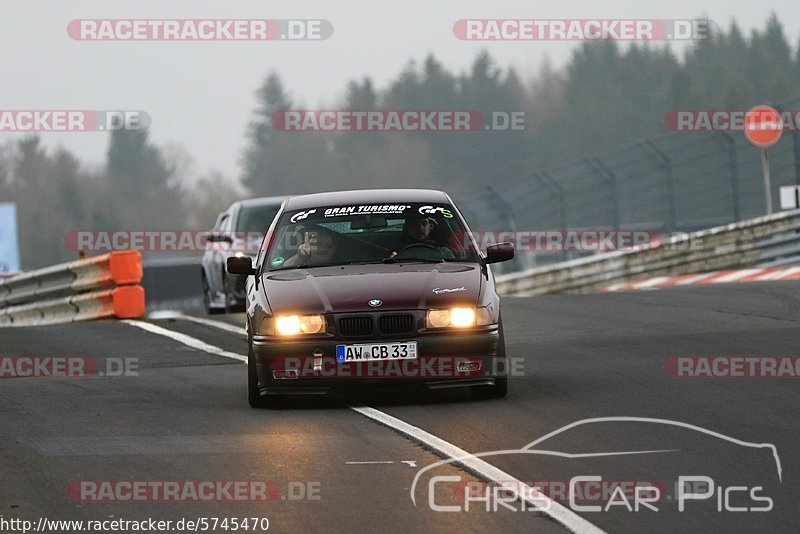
{"x":124,"y":302}
{"x":117,"y":268}
{"x":753,"y":242}
{"x":90,"y":288}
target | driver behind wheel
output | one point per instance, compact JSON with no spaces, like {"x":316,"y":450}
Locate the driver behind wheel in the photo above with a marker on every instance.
{"x":417,"y":234}
{"x":417,"y":230}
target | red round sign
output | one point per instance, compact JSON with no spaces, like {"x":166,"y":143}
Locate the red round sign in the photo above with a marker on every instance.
{"x":763,"y":126}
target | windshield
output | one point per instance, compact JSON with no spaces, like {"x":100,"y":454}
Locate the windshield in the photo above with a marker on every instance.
{"x":379,"y":233}
{"x":256,"y":218}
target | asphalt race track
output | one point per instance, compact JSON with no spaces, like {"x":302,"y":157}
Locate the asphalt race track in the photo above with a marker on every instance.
{"x":185,"y":418}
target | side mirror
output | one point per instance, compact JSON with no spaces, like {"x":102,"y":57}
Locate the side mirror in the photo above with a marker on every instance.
{"x":499,"y":252}
{"x":218,"y":237}
{"x":240,"y":265}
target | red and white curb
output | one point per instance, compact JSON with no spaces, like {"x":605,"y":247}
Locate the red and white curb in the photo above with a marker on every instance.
{"x":716,"y":277}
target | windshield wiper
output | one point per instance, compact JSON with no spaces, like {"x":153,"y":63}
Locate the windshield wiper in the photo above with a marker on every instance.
{"x":365,"y":262}
{"x":308,"y":266}
{"x":411,"y":260}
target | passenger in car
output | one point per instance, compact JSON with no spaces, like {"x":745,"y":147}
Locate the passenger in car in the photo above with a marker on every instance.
{"x":319,"y":247}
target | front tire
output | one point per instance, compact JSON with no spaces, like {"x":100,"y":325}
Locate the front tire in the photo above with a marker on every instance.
{"x":254,"y":397}
{"x":500,"y":387}
{"x":207,"y":298}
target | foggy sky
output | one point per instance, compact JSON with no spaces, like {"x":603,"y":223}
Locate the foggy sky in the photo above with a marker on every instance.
{"x":201,"y":95}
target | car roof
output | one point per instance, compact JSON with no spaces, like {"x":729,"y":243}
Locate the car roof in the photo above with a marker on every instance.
{"x":259,"y":201}
{"x":365,"y":196}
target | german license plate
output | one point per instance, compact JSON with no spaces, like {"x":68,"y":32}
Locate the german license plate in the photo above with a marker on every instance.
{"x":376,"y":351}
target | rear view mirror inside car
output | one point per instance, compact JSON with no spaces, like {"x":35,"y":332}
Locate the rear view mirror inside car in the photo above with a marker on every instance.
{"x":368,"y":222}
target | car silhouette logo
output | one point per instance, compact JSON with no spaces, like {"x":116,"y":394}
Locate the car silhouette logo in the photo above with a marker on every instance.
{"x":375,"y":303}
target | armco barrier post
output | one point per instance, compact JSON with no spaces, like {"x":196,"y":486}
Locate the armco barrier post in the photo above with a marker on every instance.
{"x":103,"y":286}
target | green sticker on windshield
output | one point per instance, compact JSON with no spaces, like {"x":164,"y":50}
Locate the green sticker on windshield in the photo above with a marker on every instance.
{"x":278,"y":261}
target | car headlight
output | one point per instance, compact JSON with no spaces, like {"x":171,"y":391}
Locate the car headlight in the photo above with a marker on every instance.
{"x":453,"y":317}
{"x":458,"y":318}
{"x":292,"y":325}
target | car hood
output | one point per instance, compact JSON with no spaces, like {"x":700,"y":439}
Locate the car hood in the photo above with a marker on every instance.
{"x":349,"y":288}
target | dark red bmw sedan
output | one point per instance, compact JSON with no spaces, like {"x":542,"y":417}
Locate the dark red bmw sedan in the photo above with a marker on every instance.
{"x":372,"y":287}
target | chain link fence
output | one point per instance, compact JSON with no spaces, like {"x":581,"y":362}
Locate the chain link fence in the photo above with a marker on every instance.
{"x":681,"y":182}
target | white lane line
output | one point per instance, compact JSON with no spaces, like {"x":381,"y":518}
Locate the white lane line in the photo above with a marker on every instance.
{"x":199,"y":320}
{"x":409,"y":463}
{"x":488,"y":472}
{"x":189,"y":341}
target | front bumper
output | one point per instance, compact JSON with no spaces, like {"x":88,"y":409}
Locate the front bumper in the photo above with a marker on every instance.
{"x":448,"y":359}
